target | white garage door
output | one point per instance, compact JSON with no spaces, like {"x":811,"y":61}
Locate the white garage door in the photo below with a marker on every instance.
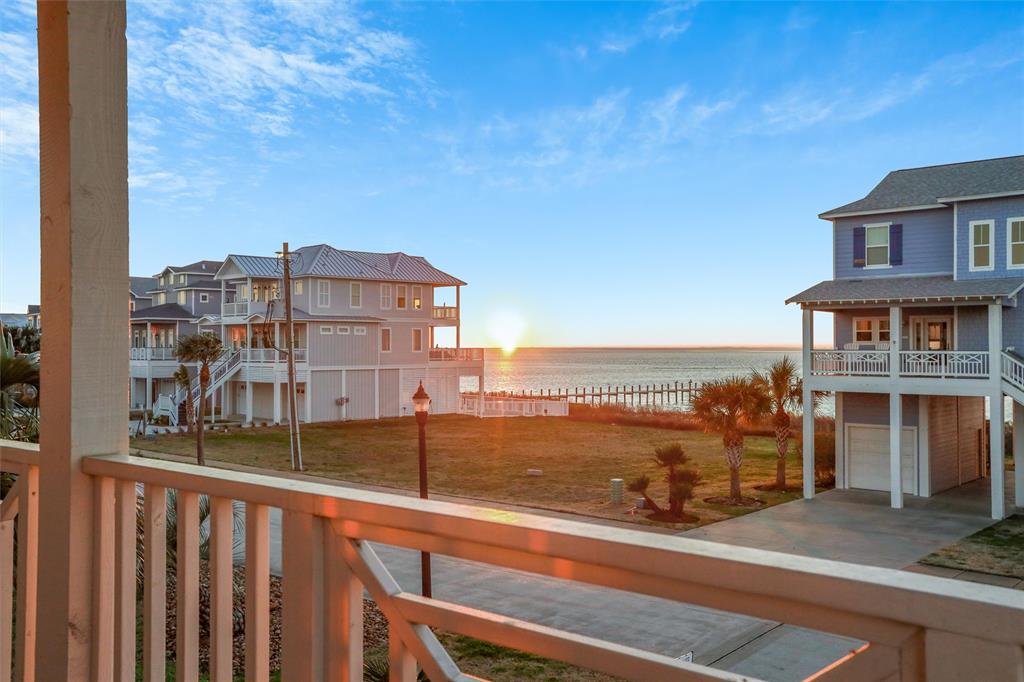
{"x":867,"y":448}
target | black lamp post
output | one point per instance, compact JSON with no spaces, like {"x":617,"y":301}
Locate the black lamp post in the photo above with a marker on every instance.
{"x":421,"y":404}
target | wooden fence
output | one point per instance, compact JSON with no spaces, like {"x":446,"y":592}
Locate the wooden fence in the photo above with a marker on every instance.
{"x":677,"y":393}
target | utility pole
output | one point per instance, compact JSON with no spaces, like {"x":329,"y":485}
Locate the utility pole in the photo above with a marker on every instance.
{"x":289,"y":344}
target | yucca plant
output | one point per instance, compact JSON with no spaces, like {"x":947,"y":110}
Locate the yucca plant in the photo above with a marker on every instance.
{"x":19,"y":391}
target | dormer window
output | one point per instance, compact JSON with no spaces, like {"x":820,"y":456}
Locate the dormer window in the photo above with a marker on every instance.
{"x":1015,"y":243}
{"x":876,"y":253}
{"x":981,"y":245}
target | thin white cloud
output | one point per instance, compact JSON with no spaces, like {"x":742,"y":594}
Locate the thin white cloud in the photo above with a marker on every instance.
{"x":19,"y":129}
{"x":664,"y":23}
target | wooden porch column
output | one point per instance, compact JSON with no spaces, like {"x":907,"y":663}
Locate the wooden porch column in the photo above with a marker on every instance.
{"x":995,"y":408}
{"x":149,"y":366}
{"x":83,"y":151}
{"x":458,"y":317}
{"x":808,"y":399}
{"x":1018,"y":455}
{"x":895,"y":410}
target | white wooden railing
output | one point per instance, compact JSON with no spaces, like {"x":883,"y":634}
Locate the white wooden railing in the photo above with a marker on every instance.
{"x":1013,"y":370}
{"x":850,"y":362}
{"x":270,"y":355}
{"x":155,"y":353}
{"x":914,"y":626}
{"x":945,"y":363}
{"x":456,"y":354}
{"x":220,"y":371}
{"x":509,"y":406}
{"x":235,"y":309}
{"x":444,"y":312}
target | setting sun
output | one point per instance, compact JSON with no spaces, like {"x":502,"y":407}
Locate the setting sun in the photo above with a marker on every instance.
{"x":506,"y":330}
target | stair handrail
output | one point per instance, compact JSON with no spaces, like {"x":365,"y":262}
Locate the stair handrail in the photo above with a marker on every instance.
{"x":221,"y":367}
{"x":1013,"y":368}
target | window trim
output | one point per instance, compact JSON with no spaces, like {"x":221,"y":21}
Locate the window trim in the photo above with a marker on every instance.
{"x":181,"y":279}
{"x":414,"y":335}
{"x":888,"y":246}
{"x":344,"y":329}
{"x":991,"y":245}
{"x":413,"y":296}
{"x":326,"y":330}
{"x":359,"y":331}
{"x":403,"y":297}
{"x":390,"y":340}
{"x":182,"y":298}
{"x":323,"y":284}
{"x":297,"y":287}
{"x":876,"y":329}
{"x":204,"y":297}
{"x":354,"y":287}
{"x":390,"y":297}
{"x":1010,"y":265}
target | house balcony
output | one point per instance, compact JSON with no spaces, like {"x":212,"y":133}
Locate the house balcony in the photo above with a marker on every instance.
{"x":949,"y":364}
{"x":461,"y":356}
{"x":270,"y":355}
{"x":444,"y":315}
{"x":154,"y":354}
{"x":242,"y":308}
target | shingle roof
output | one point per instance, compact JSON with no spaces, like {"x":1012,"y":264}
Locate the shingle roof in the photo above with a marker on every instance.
{"x":326,"y":261}
{"x":894,"y":289}
{"x":207,"y":283}
{"x":33,"y":309}
{"x":165,"y":311}
{"x":200,"y":266}
{"x":924,"y":187}
{"x":141,"y":286}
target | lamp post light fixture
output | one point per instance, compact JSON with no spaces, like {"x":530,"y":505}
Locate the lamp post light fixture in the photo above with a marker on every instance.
{"x":421,"y":406}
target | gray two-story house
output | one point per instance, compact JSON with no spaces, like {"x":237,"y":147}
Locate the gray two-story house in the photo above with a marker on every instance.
{"x":928,"y":321}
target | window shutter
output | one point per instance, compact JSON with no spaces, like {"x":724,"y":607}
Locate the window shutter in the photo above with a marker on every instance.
{"x":896,"y":244}
{"x":859,"y":251}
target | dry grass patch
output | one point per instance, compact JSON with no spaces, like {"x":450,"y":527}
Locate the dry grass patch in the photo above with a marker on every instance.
{"x":997,"y":550}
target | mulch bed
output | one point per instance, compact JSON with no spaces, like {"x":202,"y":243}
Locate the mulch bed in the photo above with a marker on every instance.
{"x":775,"y":488}
{"x":742,"y":502}
{"x":375,"y":625}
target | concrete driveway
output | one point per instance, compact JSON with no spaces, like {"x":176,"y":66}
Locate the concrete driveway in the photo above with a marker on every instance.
{"x":858,"y":526}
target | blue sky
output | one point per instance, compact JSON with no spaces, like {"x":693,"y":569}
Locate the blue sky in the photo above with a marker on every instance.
{"x":612,"y":174}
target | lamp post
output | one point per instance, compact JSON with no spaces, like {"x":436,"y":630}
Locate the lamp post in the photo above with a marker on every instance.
{"x":421,"y":405}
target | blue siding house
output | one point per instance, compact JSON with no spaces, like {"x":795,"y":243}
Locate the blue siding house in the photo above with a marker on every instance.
{"x":928,"y":321}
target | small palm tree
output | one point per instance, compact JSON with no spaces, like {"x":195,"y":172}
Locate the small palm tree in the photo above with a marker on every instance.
{"x":184,"y":382}
{"x":724,"y":406}
{"x":681,"y":481}
{"x":202,"y":349}
{"x":784,"y":388}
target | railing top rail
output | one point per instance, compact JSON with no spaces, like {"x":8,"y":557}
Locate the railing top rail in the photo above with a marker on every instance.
{"x":866,"y":602}
{"x":18,"y":453}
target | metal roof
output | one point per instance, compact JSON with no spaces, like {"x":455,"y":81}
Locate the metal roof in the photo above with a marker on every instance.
{"x":924,"y":188}
{"x":164,"y":311}
{"x":322,"y":260}
{"x":907,"y":289}
{"x":300,"y":315}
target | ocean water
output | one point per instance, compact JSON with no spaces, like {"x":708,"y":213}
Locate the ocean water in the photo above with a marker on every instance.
{"x":560,"y":368}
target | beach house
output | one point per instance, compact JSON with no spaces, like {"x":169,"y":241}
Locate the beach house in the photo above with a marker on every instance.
{"x":365,"y":330}
{"x":928,"y":321}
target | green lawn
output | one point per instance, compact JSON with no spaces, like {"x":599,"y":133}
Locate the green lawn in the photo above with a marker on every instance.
{"x":488,"y":459}
{"x":998,"y":549}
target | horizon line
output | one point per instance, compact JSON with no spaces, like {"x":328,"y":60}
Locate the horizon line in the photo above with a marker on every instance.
{"x":766,"y":347}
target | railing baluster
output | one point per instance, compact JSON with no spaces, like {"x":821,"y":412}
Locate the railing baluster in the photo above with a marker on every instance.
{"x":302,"y":585}
{"x":27,"y":575}
{"x":257,"y":593}
{"x":126,"y":579}
{"x":154,"y":592}
{"x":401,"y":663}
{"x":103,"y":581}
{"x":221,"y":593}
{"x":187,"y":581}
{"x":8,"y":509}
{"x":343,"y":615}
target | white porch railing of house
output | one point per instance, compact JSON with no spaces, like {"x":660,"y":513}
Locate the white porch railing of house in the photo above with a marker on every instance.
{"x":235,"y":309}
{"x":944,"y":364}
{"x":508,"y":406}
{"x":270,"y":355}
{"x":914,"y":626}
{"x":156,"y":353}
{"x":220,"y":371}
{"x":445,"y":312}
{"x":456,"y":354}
{"x":850,"y":362}
{"x":1013,"y":370}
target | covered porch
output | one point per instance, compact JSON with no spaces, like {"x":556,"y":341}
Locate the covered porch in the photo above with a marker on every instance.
{"x":80,"y":499}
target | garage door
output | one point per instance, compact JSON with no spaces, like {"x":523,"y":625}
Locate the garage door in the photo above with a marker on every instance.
{"x":867,"y":448}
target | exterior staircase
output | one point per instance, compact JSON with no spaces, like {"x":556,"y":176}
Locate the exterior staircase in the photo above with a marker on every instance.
{"x":1013,"y":376}
{"x":221,"y":370}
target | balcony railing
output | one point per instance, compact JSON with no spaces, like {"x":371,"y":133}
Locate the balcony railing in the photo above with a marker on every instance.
{"x":949,"y":364}
{"x":270,"y":355}
{"x":157,"y":353}
{"x":456,"y":354}
{"x":445,"y":312}
{"x":913,"y":626}
{"x":235,"y":309}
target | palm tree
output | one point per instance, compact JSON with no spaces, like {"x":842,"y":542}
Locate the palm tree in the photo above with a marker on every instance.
{"x":19,"y":391}
{"x":681,"y":481}
{"x":184,"y":382}
{"x":725,"y":406}
{"x":639,"y":485}
{"x":202,"y":349}
{"x":784,"y":389}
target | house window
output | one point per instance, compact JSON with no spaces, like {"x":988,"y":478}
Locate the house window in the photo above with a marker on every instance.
{"x":323,"y":293}
{"x":204,"y":298}
{"x":297,"y":287}
{"x":417,"y":297}
{"x":870,"y":329}
{"x":1015,"y":243}
{"x":327,"y":330}
{"x":161,"y":280}
{"x":182,"y":297}
{"x":385,"y":340}
{"x":385,"y":297}
{"x":417,"y":340}
{"x":356,"y":294}
{"x":344,"y":330}
{"x":981,"y":244}
{"x":400,"y":290}
{"x":359,"y":331}
{"x":181,"y":279}
{"x":161,"y":299}
{"x":876,"y":241}
{"x":131,"y":306}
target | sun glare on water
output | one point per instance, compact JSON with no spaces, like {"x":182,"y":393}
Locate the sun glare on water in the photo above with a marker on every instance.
{"x":506,"y":330}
